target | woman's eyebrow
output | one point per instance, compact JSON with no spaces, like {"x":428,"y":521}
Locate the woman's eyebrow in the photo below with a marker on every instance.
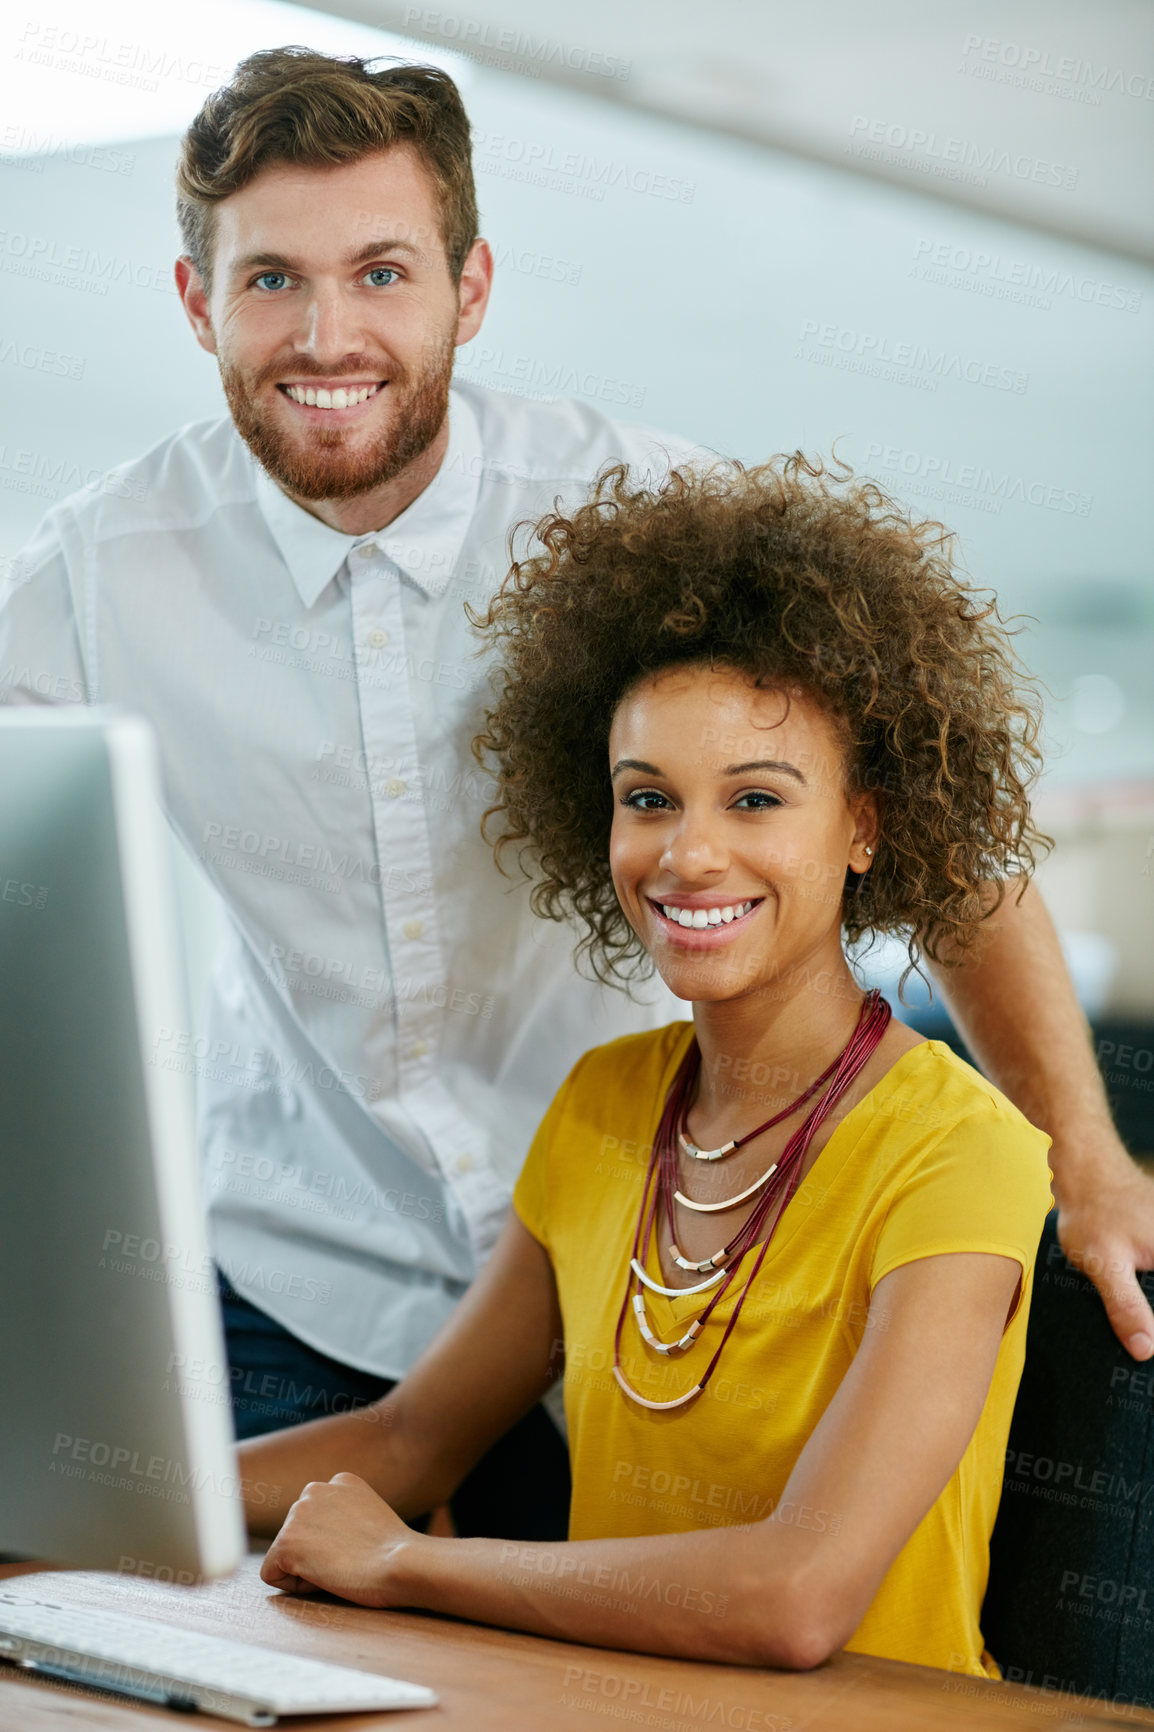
{"x":634,"y":764}
{"x":764,"y":764}
{"x":729,"y":770}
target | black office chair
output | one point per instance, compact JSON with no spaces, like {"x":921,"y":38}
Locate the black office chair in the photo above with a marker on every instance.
{"x":1070,"y":1603}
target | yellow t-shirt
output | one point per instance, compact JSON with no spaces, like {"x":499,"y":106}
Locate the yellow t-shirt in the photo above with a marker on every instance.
{"x":932,"y":1160}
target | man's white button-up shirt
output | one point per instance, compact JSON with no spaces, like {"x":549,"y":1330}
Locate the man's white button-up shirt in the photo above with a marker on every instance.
{"x":388,"y":1021}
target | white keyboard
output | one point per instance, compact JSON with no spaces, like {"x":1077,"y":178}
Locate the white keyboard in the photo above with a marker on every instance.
{"x":183,"y":1669}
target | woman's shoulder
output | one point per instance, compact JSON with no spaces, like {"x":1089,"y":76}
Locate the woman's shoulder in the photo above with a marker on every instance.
{"x":947,"y":1108}
{"x":949,"y":1164}
{"x":933,"y":1070}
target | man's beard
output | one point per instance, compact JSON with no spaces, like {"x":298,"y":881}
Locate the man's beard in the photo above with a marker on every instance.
{"x":326,"y":469}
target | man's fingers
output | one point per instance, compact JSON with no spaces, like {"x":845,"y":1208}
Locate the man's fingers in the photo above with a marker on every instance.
{"x":1126,"y":1306}
{"x":1110,"y":1262}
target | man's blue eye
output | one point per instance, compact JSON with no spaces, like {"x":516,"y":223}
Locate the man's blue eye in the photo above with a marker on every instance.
{"x":271,"y":280}
{"x":379,"y":271}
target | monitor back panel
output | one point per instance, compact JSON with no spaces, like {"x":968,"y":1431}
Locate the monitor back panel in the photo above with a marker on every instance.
{"x":102,"y":1463}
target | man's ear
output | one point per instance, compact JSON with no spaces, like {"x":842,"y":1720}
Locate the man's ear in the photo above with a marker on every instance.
{"x":473,"y":292}
{"x":194,"y":300}
{"x":867,"y":829}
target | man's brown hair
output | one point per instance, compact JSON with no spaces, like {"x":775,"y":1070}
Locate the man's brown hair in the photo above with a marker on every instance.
{"x":296,"y":106}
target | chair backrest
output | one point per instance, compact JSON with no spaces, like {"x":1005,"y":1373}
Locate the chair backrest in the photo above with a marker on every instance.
{"x":1070,"y":1602}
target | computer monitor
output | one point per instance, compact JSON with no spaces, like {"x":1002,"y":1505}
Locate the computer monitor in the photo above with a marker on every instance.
{"x":110,"y":1455}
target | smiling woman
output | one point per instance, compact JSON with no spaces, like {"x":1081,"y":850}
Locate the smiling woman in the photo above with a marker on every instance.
{"x":785,"y":1250}
{"x":819,"y":591}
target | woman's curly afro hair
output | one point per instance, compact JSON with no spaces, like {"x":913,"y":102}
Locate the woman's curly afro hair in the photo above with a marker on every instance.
{"x":800,"y":576}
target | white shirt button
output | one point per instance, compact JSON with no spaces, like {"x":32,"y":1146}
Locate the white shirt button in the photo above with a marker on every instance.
{"x":418,"y":1049}
{"x":378,"y":638}
{"x":413,"y":928}
{"x":464,"y":1163}
{"x":394,"y":788}
{"x":366,"y":549}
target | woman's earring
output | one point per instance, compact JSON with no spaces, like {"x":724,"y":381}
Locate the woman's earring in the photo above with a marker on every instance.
{"x":869,"y":851}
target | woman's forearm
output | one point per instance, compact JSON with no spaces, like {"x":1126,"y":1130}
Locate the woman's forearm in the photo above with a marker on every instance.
{"x":369,"y":1442}
{"x":722,"y":1596}
{"x":490,"y":1362}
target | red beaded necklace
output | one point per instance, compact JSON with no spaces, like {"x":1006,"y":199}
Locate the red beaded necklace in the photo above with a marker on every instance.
{"x":785,"y":1174}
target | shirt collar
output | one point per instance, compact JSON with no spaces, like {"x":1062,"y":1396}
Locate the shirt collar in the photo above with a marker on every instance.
{"x":313,"y":552}
{"x":424,"y":541}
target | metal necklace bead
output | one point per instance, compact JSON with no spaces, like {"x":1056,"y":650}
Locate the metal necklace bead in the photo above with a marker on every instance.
{"x":871,"y":1025}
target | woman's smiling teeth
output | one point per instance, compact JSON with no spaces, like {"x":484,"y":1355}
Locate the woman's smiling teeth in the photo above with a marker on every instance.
{"x":339,"y":399}
{"x":702,"y":917}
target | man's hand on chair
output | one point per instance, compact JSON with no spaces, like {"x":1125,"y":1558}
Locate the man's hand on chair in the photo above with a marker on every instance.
{"x":1106,"y":1228}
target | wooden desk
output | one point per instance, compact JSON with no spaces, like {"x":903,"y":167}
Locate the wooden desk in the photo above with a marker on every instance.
{"x":494,"y":1681}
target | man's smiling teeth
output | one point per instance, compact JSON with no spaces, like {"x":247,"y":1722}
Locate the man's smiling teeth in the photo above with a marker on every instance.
{"x":699,"y":917}
{"x":322,"y":399}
